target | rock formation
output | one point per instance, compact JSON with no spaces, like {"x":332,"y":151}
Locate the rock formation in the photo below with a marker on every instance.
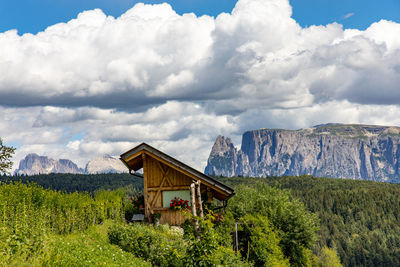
{"x":333,"y":150}
{"x":35,"y":164}
{"x":105,"y":164}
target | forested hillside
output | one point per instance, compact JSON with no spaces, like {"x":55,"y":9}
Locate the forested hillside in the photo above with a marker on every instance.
{"x":54,"y":228}
{"x":80,"y":182}
{"x":42,"y":227}
{"x":360,"y":219}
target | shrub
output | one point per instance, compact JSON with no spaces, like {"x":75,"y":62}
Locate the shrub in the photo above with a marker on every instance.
{"x":295,"y":226}
{"x":205,"y":248}
{"x":158,"y":245}
{"x":262,"y":246}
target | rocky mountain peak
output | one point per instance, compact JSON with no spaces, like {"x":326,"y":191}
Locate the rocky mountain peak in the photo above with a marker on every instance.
{"x":105,"y":164}
{"x":355,"y":151}
{"x":222,"y":158}
{"x":222,"y":145}
{"x":35,"y":164}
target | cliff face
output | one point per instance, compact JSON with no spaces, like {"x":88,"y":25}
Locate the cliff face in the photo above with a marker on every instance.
{"x":35,"y":164}
{"x":335,"y":150}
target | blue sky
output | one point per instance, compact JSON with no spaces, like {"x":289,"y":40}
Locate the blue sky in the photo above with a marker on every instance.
{"x":35,"y":15}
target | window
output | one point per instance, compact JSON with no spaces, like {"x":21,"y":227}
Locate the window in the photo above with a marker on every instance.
{"x":169,"y":195}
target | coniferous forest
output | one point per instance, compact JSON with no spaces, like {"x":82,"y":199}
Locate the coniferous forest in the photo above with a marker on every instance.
{"x":359,"y":219}
{"x":59,"y":219}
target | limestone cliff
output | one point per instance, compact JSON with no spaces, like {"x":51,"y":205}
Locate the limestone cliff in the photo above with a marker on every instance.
{"x":333,"y":150}
{"x":35,"y":164}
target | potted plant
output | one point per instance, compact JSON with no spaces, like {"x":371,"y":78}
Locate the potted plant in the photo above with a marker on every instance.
{"x":178,"y":203}
{"x":138,"y":201}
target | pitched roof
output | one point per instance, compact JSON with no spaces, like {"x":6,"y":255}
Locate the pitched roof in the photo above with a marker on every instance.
{"x":133,"y":160}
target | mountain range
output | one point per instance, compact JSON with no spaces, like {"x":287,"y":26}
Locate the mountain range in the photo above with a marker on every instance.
{"x":35,"y":164}
{"x":354,"y":151}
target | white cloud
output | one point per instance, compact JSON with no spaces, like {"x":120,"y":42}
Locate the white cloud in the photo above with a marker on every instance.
{"x":348,"y":15}
{"x":151,"y":55}
{"x":99,"y":84}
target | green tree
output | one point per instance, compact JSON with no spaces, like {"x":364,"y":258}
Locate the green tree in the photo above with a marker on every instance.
{"x":329,"y":258}
{"x":263,"y":243}
{"x":295,"y":225}
{"x":5,"y":157}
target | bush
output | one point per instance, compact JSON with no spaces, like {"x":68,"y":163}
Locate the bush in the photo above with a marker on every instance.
{"x":130,"y":209}
{"x":163,"y":246}
{"x":207,"y":248}
{"x":262,"y":246}
{"x":295,"y":226}
{"x":159,"y":245}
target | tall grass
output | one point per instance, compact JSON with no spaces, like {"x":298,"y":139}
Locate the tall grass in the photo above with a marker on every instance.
{"x":28,"y":213}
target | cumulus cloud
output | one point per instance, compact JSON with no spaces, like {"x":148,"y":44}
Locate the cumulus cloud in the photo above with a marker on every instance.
{"x":99,"y":84}
{"x":150,"y":55}
{"x":184,"y":129}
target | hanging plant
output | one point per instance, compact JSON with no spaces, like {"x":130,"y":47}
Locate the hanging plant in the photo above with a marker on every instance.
{"x":138,"y":201}
{"x":179,"y":204}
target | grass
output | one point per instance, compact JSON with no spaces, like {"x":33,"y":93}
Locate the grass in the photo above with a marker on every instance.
{"x":87,"y":248}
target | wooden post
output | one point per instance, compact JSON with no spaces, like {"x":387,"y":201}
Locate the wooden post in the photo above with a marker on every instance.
{"x":145,"y":192}
{"x":209,"y":195}
{"x":200,"y":203}
{"x":192,"y":197}
{"x":236,"y":238}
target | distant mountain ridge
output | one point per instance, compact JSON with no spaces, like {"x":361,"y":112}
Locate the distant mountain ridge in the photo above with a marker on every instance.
{"x":356,"y":151}
{"x":105,"y":164}
{"x":34,"y":164}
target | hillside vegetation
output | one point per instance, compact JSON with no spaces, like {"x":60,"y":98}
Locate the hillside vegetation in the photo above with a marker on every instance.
{"x":359,"y":219}
{"x":291,"y":220}
{"x":80,"y":182}
{"x":42,"y":227}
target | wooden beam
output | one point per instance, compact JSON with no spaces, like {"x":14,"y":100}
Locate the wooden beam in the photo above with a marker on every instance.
{"x":159,"y":188}
{"x":134,"y":155}
{"x":173,"y":166}
{"x":169,"y":188}
{"x":193,"y":177}
{"x":209,"y":195}
{"x":145,"y":181}
{"x":163,"y":171}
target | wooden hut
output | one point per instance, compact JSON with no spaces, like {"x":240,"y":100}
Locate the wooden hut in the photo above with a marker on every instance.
{"x":164,"y":178}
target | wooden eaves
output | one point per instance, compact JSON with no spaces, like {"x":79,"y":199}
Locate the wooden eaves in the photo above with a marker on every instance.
{"x":133,"y":160}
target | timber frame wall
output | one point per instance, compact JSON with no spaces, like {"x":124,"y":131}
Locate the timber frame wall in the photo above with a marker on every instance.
{"x":163,"y":173}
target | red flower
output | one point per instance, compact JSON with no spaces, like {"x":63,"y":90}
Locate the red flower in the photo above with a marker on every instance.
{"x":179,"y":203}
